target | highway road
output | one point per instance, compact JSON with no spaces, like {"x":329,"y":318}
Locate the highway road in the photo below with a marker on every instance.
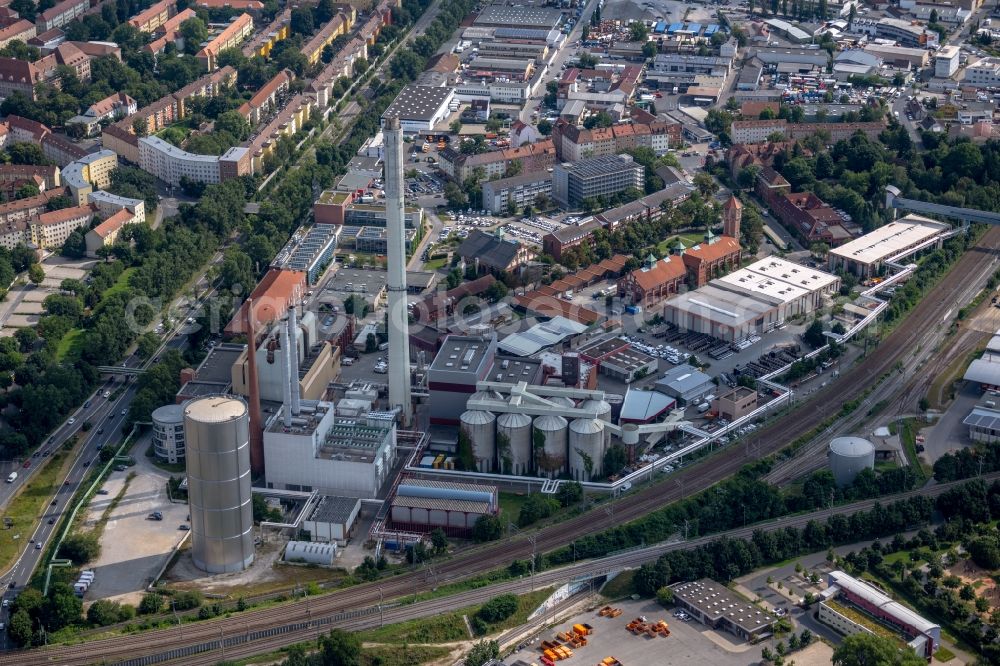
{"x":357,"y":608}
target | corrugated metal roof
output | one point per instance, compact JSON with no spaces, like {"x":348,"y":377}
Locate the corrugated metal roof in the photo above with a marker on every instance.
{"x":983,"y":417}
{"x":883,"y":601}
{"x":985,"y":370}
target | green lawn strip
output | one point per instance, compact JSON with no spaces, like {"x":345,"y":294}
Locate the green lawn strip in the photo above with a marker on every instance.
{"x":450,"y":627}
{"x":28,"y":505}
{"x":908,"y":437}
{"x":70,"y":345}
{"x":120,"y":285}
{"x":944,"y":654}
{"x":435,"y":264}
{"x":401,"y":655}
{"x":510,"y":506}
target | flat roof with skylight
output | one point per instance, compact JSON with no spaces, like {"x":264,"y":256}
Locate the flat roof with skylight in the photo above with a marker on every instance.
{"x":890,"y":239}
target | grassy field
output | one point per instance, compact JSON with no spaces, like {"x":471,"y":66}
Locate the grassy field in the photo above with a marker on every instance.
{"x":69,"y":346}
{"x":401,"y":655}
{"x":510,"y":506}
{"x":120,"y":284}
{"x":620,"y":587}
{"x":435,"y":264}
{"x":28,"y":506}
{"x":451,"y":627}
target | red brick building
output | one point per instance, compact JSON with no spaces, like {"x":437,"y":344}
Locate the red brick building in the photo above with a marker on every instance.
{"x":706,"y":260}
{"x":655,"y":281}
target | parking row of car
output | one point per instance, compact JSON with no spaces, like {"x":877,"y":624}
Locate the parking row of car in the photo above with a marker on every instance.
{"x":666,"y":352}
{"x":523,"y":234}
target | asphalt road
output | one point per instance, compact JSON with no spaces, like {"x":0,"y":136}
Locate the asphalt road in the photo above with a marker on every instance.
{"x":107,"y":416}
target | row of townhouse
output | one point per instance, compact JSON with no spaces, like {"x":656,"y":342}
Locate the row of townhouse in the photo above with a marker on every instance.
{"x":575,"y":143}
{"x":531,"y":156}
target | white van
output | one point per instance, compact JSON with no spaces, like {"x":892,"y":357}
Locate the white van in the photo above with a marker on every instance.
{"x":12,"y":477}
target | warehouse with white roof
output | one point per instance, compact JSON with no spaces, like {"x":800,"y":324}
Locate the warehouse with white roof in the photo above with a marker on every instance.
{"x":864,"y":256}
{"x":790,"y":287}
{"x":420,"y":108}
{"x":922,"y":635}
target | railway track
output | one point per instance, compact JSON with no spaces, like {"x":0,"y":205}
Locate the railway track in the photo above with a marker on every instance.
{"x":912,"y":346}
{"x":929,"y":314}
{"x":209,"y":642}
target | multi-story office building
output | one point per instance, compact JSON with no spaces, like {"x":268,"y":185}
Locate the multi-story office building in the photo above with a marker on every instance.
{"x":572,"y":183}
{"x":504,"y":195}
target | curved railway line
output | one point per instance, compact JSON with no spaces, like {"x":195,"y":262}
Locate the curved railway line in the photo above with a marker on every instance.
{"x":930,"y":313}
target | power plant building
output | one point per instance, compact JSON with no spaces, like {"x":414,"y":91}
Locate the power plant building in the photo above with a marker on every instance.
{"x":462,"y":361}
{"x":333,"y":519}
{"x":217,"y":437}
{"x":316,"y":450}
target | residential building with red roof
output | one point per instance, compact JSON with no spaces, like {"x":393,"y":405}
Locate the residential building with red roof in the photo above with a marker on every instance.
{"x":52,"y":228}
{"x":106,"y":233}
{"x":156,"y":15}
{"x":266,"y":100}
{"x":19,"y":30}
{"x":61,"y":14}
{"x":231,"y":36}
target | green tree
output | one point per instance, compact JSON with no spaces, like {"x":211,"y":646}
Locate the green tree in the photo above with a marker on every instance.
{"x":151,"y":604}
{"x":62,"y":607}
{"x":21,"y":628}
{"x":615,"y":458}
{"x":75,"y":246}
{"x":147,"y":344}
{"x":302,"y":21}
{"x":813,"y":335}
{"x":487,"y":528}
{"x":665,"y":596}
{"x":544,"y":127}
{"x":195,"y":32}
{"x":340,"y":648}
{"x":26,"y":338}
{"x":466,"y":459}
{"x":706,"y":184}
{"x":81,"y":548}
{"x":498,"y":608}
{"x":104,"y":612}
{"x":871,"y":650}
{"x":482,"y":652}
{"x":570,"y":492}
{"x":638,"y":31}
{"x":36,"y":273}
{"x":371,"y":343}
{"x":439,"y":541}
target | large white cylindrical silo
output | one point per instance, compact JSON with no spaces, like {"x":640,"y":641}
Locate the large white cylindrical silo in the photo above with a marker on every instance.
{"x":586,"y":449}
{"x":848,"y":457}
{"x":514,"y":443}
{"x":217,"y":436}
{"x":480,"y":427}
{"x":551,"y":461}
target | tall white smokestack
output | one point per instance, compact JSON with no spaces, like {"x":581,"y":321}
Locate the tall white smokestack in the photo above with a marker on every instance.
{"x":293,"y":366}
{"x":286,"y":352}
{"x":399,"y":334}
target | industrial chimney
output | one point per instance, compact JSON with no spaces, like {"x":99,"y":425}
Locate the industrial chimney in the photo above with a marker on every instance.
{"x":256,"y":421}
{"x":399,"y":335}
{"x":293,"y":366}
{"x":286,"y":385}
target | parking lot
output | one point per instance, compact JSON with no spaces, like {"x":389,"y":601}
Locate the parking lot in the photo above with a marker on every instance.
{"x":688,"y":642}
{"x":133,"y":547}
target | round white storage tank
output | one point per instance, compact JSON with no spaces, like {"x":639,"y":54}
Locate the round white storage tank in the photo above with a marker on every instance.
{"x":603,"y":409}
{"x":586,"y":448}
{"x":480,"y":427}
{"x":848,"y":456}
{"x":168,"y":433}
{"x":516,"y":429}
{"x":217,"y":434}
{"x":562,"y":401}
{"x":552,"y":461}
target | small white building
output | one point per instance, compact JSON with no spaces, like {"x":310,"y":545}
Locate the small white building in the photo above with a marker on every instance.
{"x":946,"y":61}
{"x":420,"y":108}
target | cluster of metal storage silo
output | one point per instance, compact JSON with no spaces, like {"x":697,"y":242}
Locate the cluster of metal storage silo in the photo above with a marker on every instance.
{"x":575,"y":446}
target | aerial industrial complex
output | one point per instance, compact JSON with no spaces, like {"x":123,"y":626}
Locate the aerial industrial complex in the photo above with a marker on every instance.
{"x":425,"y":291}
